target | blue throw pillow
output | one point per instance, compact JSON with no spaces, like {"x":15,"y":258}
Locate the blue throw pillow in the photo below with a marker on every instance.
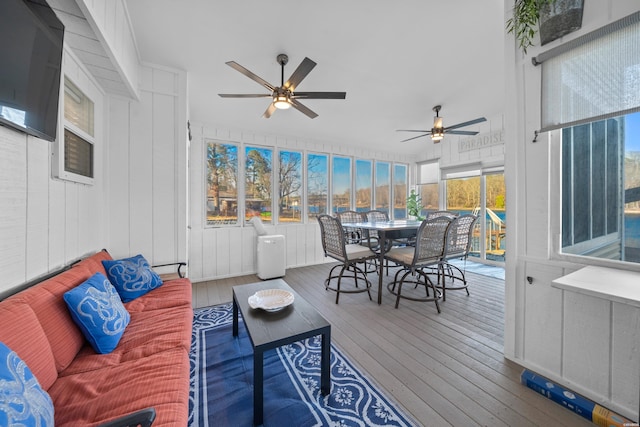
{"x":22,"y":401}
{"x":132,"y":277}
{"x":96,"y":308}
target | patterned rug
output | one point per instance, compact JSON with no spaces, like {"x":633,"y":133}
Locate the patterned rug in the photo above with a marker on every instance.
{"x":222,"y":377}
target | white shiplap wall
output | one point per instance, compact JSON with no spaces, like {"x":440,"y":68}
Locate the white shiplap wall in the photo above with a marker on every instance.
{"x":231,"y":251}
{"x":46,"y":223}
{"x":147,"y":169}
{"x":588,"y":344}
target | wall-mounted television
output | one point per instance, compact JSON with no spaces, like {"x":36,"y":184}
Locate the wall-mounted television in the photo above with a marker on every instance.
{"x":31,"y":37}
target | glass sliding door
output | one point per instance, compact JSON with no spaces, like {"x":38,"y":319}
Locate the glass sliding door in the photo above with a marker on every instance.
{"x":484,"y":196}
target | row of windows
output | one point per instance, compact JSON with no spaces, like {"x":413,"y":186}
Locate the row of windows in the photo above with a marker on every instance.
{"x":288,"y":186}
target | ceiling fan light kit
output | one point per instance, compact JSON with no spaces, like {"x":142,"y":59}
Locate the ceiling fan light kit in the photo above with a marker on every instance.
{"x":438,"y":130}
{"x":283,"y":96}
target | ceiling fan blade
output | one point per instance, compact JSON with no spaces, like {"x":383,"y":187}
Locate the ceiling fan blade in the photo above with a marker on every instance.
{"x":251,"y":75}
{"x":412,"y":130}
{"x":269,"y":111}
{"x":297,"y":105}
{"x":469,"y":123}
{"x":416,"y":137}
{"x":243,"y":95}
{"x":461,"y":132}
{"x":320,"y":95}
{"x":300,"y":73}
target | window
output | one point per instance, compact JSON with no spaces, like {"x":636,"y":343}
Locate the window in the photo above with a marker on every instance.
{"x":257,"y":183}
{"x":317,"y":184}
{"x":290,"y":186}
{"x":591,"y":91}
{"x":364,"y":176}
{"x":341,"y":184}
{"x":383,"y":184}
{"x":399,"y":191}
{"x":601,"y":189}
{"x":73,"y":158}
{"x":428,"y":187}
{"x":222,"y":183}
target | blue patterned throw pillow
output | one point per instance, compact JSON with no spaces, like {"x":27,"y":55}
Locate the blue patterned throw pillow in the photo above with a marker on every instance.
{"x":132,"y":277}
{"x":22,"y":401}
{"x":96,"y":308}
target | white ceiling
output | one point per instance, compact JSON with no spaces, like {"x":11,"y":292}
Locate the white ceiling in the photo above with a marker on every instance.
{"x":395,"y":60}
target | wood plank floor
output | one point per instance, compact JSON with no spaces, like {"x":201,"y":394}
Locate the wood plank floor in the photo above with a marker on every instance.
{"x":444,"y":369}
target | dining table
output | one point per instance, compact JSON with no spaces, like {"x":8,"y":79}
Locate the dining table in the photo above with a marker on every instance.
{"x":387,"y":231}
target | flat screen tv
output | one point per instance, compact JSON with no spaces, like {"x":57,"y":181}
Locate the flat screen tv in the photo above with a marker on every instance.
{"x":31,"y":37}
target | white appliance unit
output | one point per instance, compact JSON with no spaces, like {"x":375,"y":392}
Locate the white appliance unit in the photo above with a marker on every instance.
{"x":271,"y":256}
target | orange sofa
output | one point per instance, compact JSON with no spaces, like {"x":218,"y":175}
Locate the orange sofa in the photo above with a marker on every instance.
{"x":149,"y":368}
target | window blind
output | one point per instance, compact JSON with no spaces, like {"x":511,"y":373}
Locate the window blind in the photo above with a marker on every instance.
{"x":428,"y":173}
{"x":596,"y":79}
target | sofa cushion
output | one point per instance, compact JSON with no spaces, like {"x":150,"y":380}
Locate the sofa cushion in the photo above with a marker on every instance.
{"x":22,"y":401}
{"x":171,"y":294}
{"x":96,"y":308}
{"x":160,"y":380}
{"x":24,"y":335}
{"x":45,"y":299}
{"x":132,"y":277}
{"x":148,"y":333}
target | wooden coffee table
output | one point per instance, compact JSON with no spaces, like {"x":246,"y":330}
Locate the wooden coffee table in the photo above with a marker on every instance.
{"x":269,"y":330}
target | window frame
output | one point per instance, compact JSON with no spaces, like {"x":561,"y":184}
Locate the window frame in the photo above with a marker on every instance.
{"x":58,"y":169}
{"x":272,"y":181}
{"x":301,"y":190}
{"x":239,"y":187}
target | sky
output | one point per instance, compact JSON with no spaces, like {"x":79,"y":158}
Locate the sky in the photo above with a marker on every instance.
{"x":632,"y":129}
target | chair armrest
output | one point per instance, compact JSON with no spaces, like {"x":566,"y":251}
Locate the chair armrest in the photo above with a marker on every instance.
{"x":142,"y":418}
{"x":179,"y":264}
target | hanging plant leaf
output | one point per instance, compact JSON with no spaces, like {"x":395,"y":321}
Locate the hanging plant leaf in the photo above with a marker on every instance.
{"x":524,"y":22}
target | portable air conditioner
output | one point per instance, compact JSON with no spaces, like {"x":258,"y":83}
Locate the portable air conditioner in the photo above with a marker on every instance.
{"x":271,"y":256}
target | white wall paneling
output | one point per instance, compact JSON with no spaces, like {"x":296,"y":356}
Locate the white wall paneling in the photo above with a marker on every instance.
{"x":148,"y":169}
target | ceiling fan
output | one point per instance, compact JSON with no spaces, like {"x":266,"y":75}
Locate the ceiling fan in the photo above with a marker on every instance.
{"x":284,"y":96}
{"x":437,"y":131}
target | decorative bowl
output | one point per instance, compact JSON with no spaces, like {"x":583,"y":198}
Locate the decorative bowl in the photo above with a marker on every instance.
{"x":271,"y":299}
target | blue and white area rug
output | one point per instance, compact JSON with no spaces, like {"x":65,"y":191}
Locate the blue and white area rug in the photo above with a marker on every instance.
{"x":222,"y":382}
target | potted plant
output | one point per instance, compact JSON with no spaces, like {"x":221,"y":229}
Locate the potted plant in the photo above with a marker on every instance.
{"x":414,"y":205}
{"x":554,"y":18}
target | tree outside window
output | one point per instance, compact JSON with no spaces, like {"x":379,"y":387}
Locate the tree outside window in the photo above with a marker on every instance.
{"x":317,"y":184}
{"x":222,"y":183}
{"x":290,"y":186}
{"x":258,"y":163}
{"x":383,"y":185}
{"x":399,"y":191}
{"x":363,"y":185}
{"x":341,"y":184}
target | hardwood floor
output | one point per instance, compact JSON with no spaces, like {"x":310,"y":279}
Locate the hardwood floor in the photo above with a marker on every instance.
{"x":444,"y":369}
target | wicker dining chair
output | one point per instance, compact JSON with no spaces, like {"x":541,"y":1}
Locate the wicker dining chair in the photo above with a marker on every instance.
{"x":436,"y":214}
{"x":458,"y":245}
{"x":353,"y":235}
{"x":415,"y":261}
{"x":350,"y":255}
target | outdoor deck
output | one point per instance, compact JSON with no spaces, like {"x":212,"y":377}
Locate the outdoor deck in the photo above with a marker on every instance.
{"x":445,"y":369}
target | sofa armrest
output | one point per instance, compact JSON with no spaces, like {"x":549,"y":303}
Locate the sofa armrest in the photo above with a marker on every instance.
{"x":142,"y":418}
{"x":179,"y":264}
